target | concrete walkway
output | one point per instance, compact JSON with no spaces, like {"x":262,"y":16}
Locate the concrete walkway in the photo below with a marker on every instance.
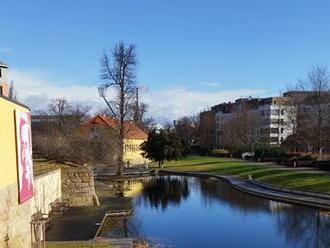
{"x":321,"y":201}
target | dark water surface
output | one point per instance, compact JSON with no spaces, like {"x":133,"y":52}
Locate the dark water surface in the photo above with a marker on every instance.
{"x":173,"y":211}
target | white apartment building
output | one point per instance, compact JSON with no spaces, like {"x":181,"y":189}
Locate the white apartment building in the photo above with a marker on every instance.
{"x":274,"y":117}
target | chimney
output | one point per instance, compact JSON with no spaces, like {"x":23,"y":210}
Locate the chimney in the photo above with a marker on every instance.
{"x":4,"y":87}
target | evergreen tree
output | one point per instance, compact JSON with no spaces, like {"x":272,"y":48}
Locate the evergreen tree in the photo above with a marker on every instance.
{"x":162,"y":145}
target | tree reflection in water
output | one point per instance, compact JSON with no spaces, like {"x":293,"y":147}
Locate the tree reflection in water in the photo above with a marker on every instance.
{"x":298,"y":226}
{"x":161,"y":191}
{"x":307,"y":226}
{"x":216,"y":190}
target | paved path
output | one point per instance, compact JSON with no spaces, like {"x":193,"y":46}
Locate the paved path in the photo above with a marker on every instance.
{"x":290,"y":196}
{"x":81,"y":223}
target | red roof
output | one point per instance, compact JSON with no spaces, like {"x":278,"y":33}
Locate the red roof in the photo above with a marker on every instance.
{"x":131,"y":130}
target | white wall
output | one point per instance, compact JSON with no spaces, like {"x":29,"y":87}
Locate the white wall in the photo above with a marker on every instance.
{"x":47,"y":189}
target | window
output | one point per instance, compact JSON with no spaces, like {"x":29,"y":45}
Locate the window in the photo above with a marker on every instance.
{"x":273,"y":139}
{"x":274,"y":130}
{"x":282,"y":112}
{"x":0,"y":73}
{"x":281,"y":139}
{"x":282,"y":130}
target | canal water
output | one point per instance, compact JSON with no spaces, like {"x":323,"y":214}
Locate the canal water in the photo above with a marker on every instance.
{"x":175,"y":211}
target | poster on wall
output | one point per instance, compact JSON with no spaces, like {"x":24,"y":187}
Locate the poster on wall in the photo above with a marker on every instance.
{"x":24,"y":155}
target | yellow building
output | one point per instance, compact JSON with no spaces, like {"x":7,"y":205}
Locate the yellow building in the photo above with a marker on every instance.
{"x":134,"y":137}
{"x":15,"y":211}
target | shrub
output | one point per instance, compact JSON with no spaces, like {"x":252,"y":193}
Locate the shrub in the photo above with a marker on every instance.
{"x":237,"y":153}
{"x":272,"y":153}
{"x":305,"y":158}
{"x":220,"y":152}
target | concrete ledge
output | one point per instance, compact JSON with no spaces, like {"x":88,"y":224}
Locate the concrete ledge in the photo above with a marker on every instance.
{"x":264,"y":191}
{"x":52,"y":172}
{"x":125,"y":176}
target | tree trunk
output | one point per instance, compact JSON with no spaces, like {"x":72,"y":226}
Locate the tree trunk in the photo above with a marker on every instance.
{"x":121,"y":131}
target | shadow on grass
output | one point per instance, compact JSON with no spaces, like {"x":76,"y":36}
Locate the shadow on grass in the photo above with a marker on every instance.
{"x":318,"y":187}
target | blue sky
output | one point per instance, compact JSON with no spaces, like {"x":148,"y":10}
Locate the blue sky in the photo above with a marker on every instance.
{"x":211,"y":50}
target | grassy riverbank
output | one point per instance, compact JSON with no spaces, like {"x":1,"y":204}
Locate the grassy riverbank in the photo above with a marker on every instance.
{"x":310,"y":180}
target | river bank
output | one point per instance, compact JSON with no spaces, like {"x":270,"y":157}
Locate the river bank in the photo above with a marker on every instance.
{"x":302,"y":186}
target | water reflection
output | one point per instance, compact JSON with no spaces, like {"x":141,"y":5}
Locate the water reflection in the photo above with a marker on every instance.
{"x":304,"y":225}
{"x":210,"y":213}
{"x":219,"y":191}
{"x":161,"y":191}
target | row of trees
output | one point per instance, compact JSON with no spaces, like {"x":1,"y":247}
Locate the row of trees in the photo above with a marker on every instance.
{"x":57,"y":135}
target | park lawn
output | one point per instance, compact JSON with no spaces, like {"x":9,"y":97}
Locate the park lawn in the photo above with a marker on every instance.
{"x":270,"y":174}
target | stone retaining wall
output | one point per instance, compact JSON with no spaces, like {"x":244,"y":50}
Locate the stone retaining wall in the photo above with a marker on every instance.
{"x":78,"y":186}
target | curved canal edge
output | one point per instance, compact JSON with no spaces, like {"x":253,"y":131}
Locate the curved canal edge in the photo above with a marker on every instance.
{"x":253,"y":187}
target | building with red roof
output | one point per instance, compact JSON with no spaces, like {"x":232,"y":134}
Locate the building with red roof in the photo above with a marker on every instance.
{"x":134,"y":137}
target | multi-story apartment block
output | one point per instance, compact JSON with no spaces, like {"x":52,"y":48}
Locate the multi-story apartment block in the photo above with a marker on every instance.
{"x":271,"y":116}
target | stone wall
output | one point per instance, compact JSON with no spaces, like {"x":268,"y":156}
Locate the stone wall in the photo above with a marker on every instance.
{"x":78,"y":186}
{"x":15,"y":218}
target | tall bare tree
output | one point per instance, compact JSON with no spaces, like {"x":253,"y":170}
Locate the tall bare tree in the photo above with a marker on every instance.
{"x":314,"y":107}
{"x":243,"y":131}
{"x":187,"y":128}
{"x":118,"y":73}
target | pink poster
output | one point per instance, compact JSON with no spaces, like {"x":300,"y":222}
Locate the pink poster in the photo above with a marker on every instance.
{"x":24,"y":155}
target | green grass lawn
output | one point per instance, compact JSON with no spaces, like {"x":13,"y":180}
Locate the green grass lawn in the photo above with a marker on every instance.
{"x":271,"y":174}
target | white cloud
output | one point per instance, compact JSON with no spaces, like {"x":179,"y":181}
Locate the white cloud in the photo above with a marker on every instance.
{"x":176,"y":102}
{"x":36,"y":91}
{"x":210,"y":84}
{"x":168,"y":104}
{"x":6,"y":49}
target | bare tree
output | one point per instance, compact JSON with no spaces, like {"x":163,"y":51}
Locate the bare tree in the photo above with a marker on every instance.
{"x":242,"y":131}
{"x":187,"y":129}
{"x":314,"y":109}
{"x":141,"y":119}
{"x":58,"y":135}
{"x":67,"y":114}
{"x":118,"y":74}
